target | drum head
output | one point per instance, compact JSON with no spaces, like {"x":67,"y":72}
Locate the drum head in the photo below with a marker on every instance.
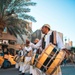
{"x":34,"y":59}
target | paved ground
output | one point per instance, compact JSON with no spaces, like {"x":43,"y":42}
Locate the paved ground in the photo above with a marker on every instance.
{"x":10,"y":71}
{"x":66,"y":70}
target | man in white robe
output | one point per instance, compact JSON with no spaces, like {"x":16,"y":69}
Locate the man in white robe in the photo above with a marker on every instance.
{"x":47,"y":39}
{"x":28,"y":54}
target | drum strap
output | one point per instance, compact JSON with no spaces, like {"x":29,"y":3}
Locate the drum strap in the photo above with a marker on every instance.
{"x":43,"y":42}
{"x":20,"y":53}
{"x":53,"y":38}
{"x":26,"y":52}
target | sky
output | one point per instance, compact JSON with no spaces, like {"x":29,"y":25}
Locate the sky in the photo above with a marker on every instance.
{"x":59,"y":14}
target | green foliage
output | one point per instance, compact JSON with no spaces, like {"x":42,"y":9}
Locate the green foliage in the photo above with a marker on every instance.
{"x":18,"y":7}
{"x":14,"y":13}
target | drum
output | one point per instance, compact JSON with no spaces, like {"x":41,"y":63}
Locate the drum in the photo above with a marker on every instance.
{"x":22,"y":58}
{"x":32,"y":59}
{"x":17,"y":58}
{"x":49,"y":59}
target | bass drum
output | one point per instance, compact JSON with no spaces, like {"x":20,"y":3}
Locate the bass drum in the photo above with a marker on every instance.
{"x":17,"y":58}
{"x":34,"y":58}
{"x":49,"y":59}
{"x":22,"y":58}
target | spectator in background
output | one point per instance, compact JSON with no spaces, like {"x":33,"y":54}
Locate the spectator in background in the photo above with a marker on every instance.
{"x":39,"y":50}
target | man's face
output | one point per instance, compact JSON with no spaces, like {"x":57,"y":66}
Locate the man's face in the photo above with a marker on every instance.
{"x":43,"y":29}
{"x":27,"y":41}
{"x":36,"y":41}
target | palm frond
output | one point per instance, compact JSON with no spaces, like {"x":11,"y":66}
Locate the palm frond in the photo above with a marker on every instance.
{"x":24,"y":31}
{"x":19,"y":32}
{"x":27,"y":17}
{"x":25,"y":4}
{"x":19,"y":10}
{"x":18,"y":29}
{"x":13,"y":16}
{"x":4,"y":5}
{"x":15,"y":31}
{"x":9,"y":30}
{"x":12,"y":29}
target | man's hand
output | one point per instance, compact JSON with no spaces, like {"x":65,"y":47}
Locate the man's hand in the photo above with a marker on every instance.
{"x":66,"y":50}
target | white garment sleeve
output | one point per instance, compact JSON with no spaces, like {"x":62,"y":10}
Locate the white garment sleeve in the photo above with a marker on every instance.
{"x":24,"y":51}
{"x":60,"y":43}
{"x":30,"y":48}
{"x":37,"y":45}
{"x":21,"y":53}
{"x":35,"y":50}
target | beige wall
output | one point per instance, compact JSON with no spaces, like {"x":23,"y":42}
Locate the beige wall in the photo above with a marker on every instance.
{"x":61,"y":35}
{"x":7,"y":36}
{"x":70,"y":43}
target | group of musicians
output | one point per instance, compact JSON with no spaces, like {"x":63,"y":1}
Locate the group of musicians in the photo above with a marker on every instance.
{"x":28,"y":50}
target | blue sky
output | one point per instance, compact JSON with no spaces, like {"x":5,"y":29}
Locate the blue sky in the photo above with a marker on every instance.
{"x":60,"y":14}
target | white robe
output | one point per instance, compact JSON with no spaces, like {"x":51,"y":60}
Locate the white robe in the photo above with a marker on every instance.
{"x":21,"y":63}
{"x":26,"y":64}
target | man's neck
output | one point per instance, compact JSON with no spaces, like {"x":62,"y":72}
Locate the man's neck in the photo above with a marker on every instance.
{"x":46,"y":32}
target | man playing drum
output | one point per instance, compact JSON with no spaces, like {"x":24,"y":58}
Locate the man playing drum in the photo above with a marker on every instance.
{"x":49,"y":37}
{"x":36,"y":53}
{"x":21,"y":57}
{"x":17,"y":58}
{"x":28,"y":54}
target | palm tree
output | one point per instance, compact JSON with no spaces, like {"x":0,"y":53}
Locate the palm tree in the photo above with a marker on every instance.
{"x":13,"y":14}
